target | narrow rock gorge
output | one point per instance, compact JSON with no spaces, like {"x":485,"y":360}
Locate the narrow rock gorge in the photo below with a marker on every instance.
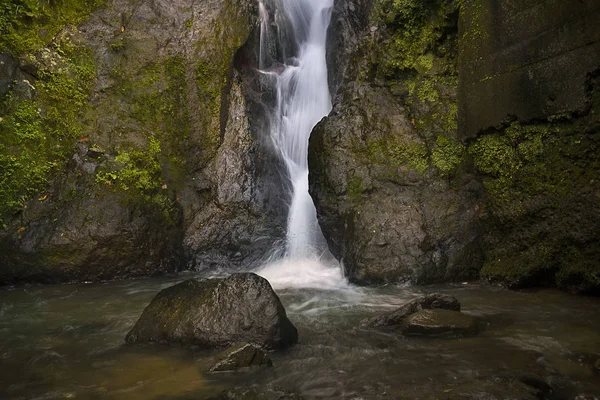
{"x":462,"y":144}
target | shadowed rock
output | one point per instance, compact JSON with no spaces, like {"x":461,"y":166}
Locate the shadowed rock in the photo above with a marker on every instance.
{"x":216,"y":313}
{"x":435,"y":322}
{"x":430,"y":301}
{"x":239,"y":356}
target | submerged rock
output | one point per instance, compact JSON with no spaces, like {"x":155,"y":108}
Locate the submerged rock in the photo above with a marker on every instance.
{"x":239,"y":356}
{"x":430,"y":301}
{"x":439,"y":322}
{"x":269,"y":392}
{"x":216,"y":313}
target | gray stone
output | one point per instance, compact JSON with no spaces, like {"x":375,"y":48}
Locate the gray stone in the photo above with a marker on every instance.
{"x":241,"y":355}
{"x":216,"y":313}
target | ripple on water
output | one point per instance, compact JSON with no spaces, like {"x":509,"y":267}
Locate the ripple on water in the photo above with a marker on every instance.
{"x":75,"y":344}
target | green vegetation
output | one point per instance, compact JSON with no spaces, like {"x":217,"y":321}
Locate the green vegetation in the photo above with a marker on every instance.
{"x":417,"y":59}
{"x":38,"y":132}
{"x":521,"y":162}
{"x":28,"y":25}
{"x":447,"y":154}
{"x":157,"y":95}
{"x":541,"y":172}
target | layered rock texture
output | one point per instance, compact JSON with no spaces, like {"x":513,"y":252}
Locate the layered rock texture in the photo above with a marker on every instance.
{"x":463,"y":139}
{"x":130,"y":140}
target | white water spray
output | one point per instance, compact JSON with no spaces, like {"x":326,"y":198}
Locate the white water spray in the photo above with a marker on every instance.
{"x":303,"y":99}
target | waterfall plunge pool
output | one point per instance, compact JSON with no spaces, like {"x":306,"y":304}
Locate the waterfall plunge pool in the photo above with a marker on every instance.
{"x":67,"y":341}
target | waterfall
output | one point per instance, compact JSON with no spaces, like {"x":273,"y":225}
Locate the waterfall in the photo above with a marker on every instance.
{"x":298,"y":75}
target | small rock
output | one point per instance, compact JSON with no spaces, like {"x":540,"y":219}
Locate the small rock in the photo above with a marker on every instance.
{"x":430,"y":301}
{"x":239,"y":356}
{"x":438,"y":322}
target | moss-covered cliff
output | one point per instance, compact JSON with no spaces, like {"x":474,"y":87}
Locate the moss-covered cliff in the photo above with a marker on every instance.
{"x":113,"y":120}
{"x":387,"y":173}
{"x":529,"y":102}
{"x":406,"y":191}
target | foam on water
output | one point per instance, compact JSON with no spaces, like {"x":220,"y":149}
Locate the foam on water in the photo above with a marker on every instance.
{"x":307,"y":273}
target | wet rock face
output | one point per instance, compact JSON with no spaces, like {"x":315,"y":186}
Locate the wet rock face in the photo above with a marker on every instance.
{"x":440,"y":165}
{"x":241,"y":355}
{"x":157,"y":154}
{"x":384,"y":165}
{"x":216,"y":313}
{"x":528,"y":97}
{"x":530,"y":60}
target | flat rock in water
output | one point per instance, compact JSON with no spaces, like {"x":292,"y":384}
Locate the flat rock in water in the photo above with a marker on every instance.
{"x":438,"y":322}
{"x":269,"y":392}
{"x":430,"y":301}
{"x":241,"y":355}
{"x":215,"y":313}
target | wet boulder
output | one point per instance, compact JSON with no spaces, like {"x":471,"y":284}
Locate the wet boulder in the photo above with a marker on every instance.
{"x":241,"y":355}
{"x":215,"y":313}
{"x":430,"y":301}
{"x":434,"y":322}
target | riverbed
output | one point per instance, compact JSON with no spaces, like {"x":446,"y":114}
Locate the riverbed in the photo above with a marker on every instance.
{"x":67,"y":341}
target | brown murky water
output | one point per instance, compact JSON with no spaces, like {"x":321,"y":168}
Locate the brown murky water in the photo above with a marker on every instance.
{"x":66,"y":341}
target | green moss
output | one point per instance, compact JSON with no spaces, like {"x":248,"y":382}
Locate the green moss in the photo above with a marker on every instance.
{"x":521,"y":162}
{"x":138,"y":170}
{"x":158,"y":99}
{"x":355,"y":187}
{"x":116,"y":46}
{"x":539,"y":204}
{"x":37,"y":135}
{"x":415,"y":54}
{"x":394,"y":153}
{"x":447,"y":154}
{"x":28,"y":25}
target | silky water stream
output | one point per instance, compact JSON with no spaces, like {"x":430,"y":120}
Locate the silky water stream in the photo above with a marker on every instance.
{"x":292,"y":59}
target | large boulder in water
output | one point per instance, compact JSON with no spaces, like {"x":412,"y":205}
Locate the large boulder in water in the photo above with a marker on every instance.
{"x":427,"y":302}
{"x":216,"y":313}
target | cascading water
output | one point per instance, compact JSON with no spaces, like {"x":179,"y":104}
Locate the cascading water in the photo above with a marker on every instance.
{"x":302,"y":100}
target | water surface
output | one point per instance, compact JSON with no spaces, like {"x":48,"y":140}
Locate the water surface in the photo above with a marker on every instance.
{"x":66,"y":341}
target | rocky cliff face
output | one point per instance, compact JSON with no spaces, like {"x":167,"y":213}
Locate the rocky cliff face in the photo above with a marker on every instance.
{"x":529,"y":75}
{"x":463,"y":141}
{"x":406,"y":193}
{"x":387,"y":175}
{"x":130,"y":142}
